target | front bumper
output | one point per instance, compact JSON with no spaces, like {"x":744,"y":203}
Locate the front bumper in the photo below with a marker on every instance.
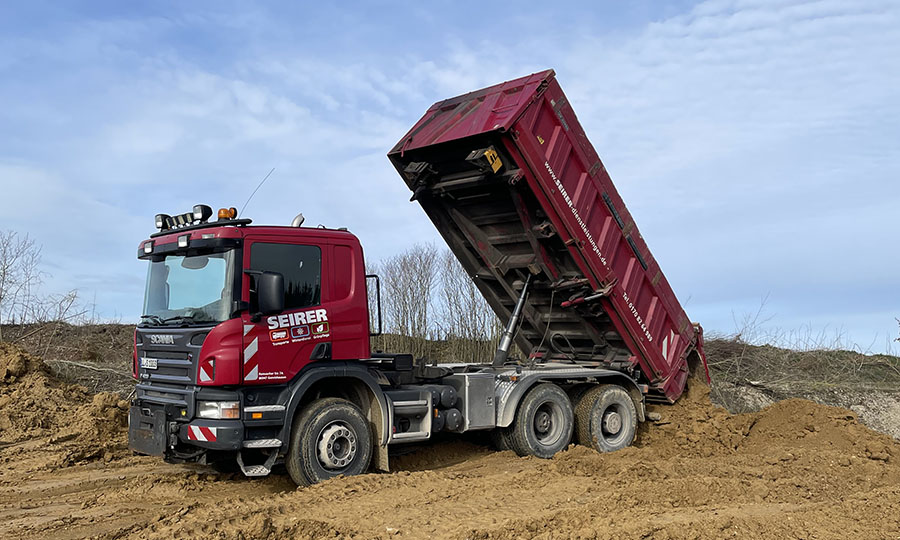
{"x":151,"y":432}
{"x":213,"y":434}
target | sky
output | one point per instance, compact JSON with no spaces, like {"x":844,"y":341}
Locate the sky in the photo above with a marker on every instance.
{"x":755,"y":142}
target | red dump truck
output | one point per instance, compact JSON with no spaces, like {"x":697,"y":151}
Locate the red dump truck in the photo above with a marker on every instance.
{"x":254,"y":344}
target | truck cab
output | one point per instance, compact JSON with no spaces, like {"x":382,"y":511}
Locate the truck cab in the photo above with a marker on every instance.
{"x":229,"y":273}
{"x":233,"y":313}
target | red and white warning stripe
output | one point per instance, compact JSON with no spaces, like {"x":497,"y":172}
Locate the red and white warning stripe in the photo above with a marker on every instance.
{"x":251,"y":364}
{"x":200,"y":433}
{"x":668,"y":346}
{"x":207,"y":370}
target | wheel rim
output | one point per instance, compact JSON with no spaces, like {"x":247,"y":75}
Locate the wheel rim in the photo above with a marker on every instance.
{"x":336,"y":445}
{"x":612,"y":424}
{"x":548,"y":423}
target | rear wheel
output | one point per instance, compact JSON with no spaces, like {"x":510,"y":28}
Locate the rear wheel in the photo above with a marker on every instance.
{"x":330,"y":437}
{"x":543,"y":424}
{"x":605,"y":418}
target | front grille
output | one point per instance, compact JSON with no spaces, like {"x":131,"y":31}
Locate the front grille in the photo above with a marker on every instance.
{"x":172,"y":367}
{"x":170,"y":371}
{"x":173,"y":383}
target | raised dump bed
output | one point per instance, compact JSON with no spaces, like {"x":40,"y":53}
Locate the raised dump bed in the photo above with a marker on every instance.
{"x":512,"y":183}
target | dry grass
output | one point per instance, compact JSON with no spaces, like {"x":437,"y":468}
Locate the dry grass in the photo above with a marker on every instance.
{"x":96,"y":356}
{"x":824,"y":374}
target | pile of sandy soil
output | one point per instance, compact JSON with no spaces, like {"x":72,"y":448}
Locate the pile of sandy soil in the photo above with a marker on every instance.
{"x":34,"y":405}
{"x":793,"y":470}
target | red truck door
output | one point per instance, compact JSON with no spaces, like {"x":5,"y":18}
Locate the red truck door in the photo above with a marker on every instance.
{"x":276,"y":347}
{"x":325,"y":313}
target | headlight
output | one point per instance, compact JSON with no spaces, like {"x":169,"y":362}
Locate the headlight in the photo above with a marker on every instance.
{"x":219,"y":410}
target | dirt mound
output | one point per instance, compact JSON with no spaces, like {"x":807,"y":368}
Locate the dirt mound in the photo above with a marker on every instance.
{"x":36,"y":405}
{"x":16,"y":363}
{"x":694,"y":425}
{"x":749,"y":377}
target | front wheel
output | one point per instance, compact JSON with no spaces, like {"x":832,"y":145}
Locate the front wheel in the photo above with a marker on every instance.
{"x":543,"y":424}
{"x":331,"y":437}
{"x":605,"y":418}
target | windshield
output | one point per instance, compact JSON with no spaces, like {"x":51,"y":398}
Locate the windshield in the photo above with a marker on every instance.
{"x":189,"y":289}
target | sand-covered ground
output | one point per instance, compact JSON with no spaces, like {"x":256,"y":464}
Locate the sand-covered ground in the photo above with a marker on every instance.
{"x":796,"y":469}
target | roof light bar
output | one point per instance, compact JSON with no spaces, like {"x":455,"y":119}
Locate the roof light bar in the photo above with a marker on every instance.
{"x":199,"y":214}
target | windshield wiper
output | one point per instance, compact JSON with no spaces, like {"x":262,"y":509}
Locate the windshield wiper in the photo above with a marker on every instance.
{"x":155,"y":319}
{"x":179,"y":318}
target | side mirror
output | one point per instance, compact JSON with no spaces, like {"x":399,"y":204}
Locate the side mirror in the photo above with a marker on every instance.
{"x":270,"y":293}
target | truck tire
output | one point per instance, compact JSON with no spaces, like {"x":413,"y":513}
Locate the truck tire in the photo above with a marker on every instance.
{"x":330,"y":437}
{"x":605,"y":418}
{"x":543,"y":424}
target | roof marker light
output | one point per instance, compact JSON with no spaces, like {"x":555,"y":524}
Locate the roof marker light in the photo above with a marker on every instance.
{"x":183,"y":240}
{"x":148,"y":247}
{"x":227,"y":213}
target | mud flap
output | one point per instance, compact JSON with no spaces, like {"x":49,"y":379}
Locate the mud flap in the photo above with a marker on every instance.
{"x":147,"y":432}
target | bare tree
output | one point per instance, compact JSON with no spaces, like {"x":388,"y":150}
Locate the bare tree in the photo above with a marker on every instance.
{"x":21,"y":300}
{"x":432,"y":308}
{"x":468,"y":323}
{"x":19,"y":275}
{"x":408,"y":281}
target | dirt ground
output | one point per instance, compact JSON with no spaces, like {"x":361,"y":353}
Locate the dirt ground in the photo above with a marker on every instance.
{"x":796,"y":469}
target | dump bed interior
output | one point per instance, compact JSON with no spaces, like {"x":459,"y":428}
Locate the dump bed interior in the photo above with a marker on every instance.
{"x":511,"y":182}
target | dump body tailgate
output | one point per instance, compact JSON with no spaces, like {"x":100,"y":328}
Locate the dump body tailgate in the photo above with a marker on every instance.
{"x":513,"y":185}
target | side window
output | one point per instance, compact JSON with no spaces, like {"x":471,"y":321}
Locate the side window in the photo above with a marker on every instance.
{"x":301,"y":267}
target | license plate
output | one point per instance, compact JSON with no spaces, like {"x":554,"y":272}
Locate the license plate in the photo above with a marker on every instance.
{"x":148,"y":363}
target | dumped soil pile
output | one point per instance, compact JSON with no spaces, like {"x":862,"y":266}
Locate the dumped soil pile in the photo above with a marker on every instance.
{"x":36,"y":406}
{"x":749,"y":377}
{"x":693,"y":425}
{"x":795,"y":469}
